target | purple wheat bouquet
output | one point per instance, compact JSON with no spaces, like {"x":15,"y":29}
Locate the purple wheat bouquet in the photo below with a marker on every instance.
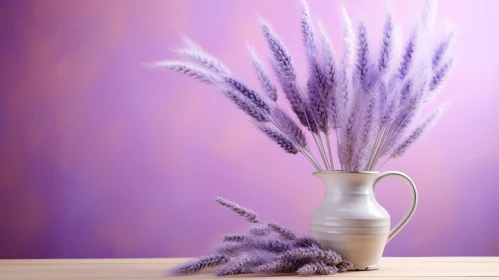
{"x":266,"y":248}
{"x":368,"y":100}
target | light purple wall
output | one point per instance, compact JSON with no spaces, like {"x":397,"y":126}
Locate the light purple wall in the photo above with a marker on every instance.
{"x":101,"y":157}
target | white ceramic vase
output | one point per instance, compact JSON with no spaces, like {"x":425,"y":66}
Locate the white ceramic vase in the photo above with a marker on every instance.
{"x":350,"y":221}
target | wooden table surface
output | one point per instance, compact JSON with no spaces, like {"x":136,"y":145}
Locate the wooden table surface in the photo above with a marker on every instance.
{"x":145,"y":269}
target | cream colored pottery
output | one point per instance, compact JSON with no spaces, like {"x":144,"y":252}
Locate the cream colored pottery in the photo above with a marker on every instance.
{"x":350,"y":221}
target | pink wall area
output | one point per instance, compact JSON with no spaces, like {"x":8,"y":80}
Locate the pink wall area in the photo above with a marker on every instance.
{"x":102,"y":157}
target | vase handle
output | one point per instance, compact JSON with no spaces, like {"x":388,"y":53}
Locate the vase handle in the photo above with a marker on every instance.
{"x":414,"y":194}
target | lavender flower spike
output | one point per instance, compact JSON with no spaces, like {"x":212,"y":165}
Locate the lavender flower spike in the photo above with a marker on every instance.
{"x":316,"y":84}
{"x":362,"y":63}
{"x":259,"y":231}
{"x":388,"y":105}
{"x":330,"y":77}
{"x":289,"y":127}
{"x":283,"y":231}
{"x":441,"y":49}
{"x":233,"y":238}
{"x":279,"y":52}
{"x":348,"y":37}
{"x":308,"y":32}
{"x":369,"y":119}
{"x":247,"y":106}
{"x":328,"y":256}
{"x":440,"y":74}
{"x":271,"y":245}
{"x":386,"y":53}
{"x":428,"y":17}
{"x":286,"y":73}
{"x":279,"y":265}
{"x":236,"y":267}
{"x":187,"y":69}
{"x":344,"y":87}
{"x":319,"y":267}
{"x":248,"y":93}
{"x":408,"y":56}
{"x":250,"y":215}
{"x":263,"y":77}
{"x":199,"y":264}
{"x":419,"y":131}
{"x":232,"y":249}
{"x":282,"y":140}
{"x":198,"y":56}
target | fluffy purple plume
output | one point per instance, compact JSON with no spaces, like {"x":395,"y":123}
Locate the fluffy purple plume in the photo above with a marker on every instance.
{"x":388,"y":106}
{"x":365,"y":133}
{"x":370,"y":102}
{"x":274,"y":266}
{"x":265,"y":82}
{"x":318,"y":268}
{"x":307,"y":31}
{"x":427,"y":18}
{"x":280,"y":266}
{"x":418,"y":132}
{"x":247,"y":106}
{"x":271,"y":245}
{"x":280,"y":139}
{"x":289,"y":127}
{"x":386,"y":53}
{"x":238,"y":266}
{"x":440,"y":74}
{"x":348,"y":38}
{"x":345,"y":113}
{"x":197,"y":55}
{"x":298,"y":104}
{"x":253,"y":242}
{"x":408,"y":56}
{"x":363,"y":59}
{"x":347,"y":147}
{"x":415,"y":98}
{"x":248,"y":93}
{"x":232,"y":249}
{"x":269,"y":253}
{"x":316,"y":84}
{"x":199,"y":265}
{"x":260,"y":231}
{"x":384,"y":95}
{"x":317,"y":105}
{"x":250,"y":215}
{"x":283,"y":231}
{"x":441,"y":50}
{"x":405,"y":92}
{"x":286,"y":74}
{"x":233,"y":237}
{"x":330,"y":78}
{"x":367,"y":102}
{"x":187,"y":69}
{"x":279,"y":53}
{"x":345,"y":80}
{"x":328,"y":256}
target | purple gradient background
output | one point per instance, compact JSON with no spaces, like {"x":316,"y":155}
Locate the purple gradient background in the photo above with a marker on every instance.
{"x":101,"y":157}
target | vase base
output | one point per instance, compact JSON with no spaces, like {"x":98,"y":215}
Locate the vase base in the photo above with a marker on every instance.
{"x":364,"y":268}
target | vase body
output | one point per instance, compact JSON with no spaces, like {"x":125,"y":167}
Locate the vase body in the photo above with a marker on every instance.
{"x":350,"y":221}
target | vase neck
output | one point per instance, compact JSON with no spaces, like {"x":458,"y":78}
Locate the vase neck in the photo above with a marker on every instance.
{"x":348,"y":182}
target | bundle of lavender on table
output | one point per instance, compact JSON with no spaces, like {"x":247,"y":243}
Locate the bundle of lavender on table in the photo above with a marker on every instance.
{"x":369,"y":101}
{"x":266,"y":248}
